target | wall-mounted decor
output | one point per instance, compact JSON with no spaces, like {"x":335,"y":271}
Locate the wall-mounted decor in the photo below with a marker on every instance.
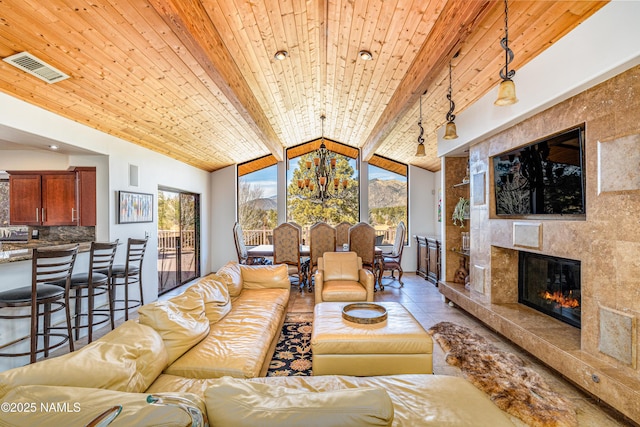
{"x":134,"y":207}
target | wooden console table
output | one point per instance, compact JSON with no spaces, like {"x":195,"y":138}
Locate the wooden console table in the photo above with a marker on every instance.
{"x":428,"y":253}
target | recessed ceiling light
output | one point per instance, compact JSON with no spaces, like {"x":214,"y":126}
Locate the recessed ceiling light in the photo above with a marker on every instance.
{"x":281,"y":55}
{"x":365,"y":55}
{"x":53,"y":147}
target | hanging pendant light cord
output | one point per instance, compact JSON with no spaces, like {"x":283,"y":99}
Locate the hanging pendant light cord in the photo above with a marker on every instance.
{"x":452,"y":106}
{"x":505,"y":73}
{"x":420,"y":137}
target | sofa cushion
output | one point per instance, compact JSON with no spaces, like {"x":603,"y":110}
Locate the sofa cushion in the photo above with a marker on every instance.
{"x":340,"y":266}
{"x":265,"y":276}
{"x":71,"y":406}
{"x":232,"y":277}
{"x":240,"y":403}
{"x":129,"y":358}
{"x":180,"y":321}
{"x":215,"y":295}
{"x":236,"y":346}
{"x":418,"y":399}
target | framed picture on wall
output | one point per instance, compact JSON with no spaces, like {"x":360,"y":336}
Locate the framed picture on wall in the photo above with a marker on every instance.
{"x":134,"y":207}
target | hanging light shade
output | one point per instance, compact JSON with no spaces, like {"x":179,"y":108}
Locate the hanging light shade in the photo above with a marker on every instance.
{"x":450,"y":131}
{"x":507,"y":89}
{"x":420,"y":152}
{"x":323,"y":174}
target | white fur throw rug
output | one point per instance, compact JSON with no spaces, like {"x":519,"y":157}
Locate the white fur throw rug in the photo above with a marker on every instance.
{"x":512,"y":386}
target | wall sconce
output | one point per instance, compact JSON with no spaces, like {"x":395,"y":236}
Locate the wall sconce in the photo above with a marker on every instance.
{"x":507,"y":89}
{"x":421,"y":151}
{"x":450,"y":130}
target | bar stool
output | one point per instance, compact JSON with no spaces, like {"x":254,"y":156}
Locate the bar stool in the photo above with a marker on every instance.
{"x":94,"y":283}
{"x":47,"y":267}
{"x":127,"y":275}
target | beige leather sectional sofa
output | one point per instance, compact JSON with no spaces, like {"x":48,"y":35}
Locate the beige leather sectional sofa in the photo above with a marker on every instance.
{"x":209,"y":348}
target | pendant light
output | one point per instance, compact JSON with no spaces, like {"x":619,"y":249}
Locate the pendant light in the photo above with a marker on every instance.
{"x":450,"y":130}
{"x":421,"y":151}
{"x":507,"y":89}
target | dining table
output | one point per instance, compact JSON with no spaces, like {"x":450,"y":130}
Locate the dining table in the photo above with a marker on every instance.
{"x":305,"y":251}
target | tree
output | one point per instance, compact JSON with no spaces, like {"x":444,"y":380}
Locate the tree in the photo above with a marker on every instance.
{"x":343,"y":205}
{"x":251,"y":217}
{"x":168,"y":211}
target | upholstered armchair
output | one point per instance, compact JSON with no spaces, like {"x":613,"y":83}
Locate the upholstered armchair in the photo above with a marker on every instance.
{"x":340,"y":277}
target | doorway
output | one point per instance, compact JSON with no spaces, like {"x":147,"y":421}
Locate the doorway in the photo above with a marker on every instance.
{"x":178,"y":238}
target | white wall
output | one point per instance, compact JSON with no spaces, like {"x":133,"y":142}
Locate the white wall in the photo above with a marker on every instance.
{"x":223,"y":216}
{"x":21,"y":122}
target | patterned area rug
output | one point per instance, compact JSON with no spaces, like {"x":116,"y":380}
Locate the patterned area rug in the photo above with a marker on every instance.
{"x":511,"y":385}
{"x":292,"y":356}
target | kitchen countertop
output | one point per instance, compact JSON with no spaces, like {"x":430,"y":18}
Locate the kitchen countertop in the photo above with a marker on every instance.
{"x":23,"y":251}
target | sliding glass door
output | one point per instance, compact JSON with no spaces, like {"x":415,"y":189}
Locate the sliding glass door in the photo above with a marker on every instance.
{"x":178,"y":238}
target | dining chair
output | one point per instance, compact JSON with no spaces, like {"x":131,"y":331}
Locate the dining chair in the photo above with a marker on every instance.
{"x":323,"y":239}
{"x":47,"y":267}
{"x":342,"y":233}
{"x":362,"y":240}
{"x":299,"y":227}
{"x":286,"y":249}
{"x":89,"y":285}
{"x":392,"y":261}
{"x":241,"y":249}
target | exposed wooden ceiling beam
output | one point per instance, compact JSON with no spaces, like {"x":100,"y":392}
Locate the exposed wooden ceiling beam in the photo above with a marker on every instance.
{"x":191,"y":23}
{"x":456,"y":22}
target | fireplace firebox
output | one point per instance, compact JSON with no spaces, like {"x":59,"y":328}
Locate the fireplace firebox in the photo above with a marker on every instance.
{"x":550,"y":285}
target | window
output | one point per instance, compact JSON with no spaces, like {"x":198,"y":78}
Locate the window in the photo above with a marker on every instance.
{"x":344,"y":203}
{"x":388,"y":196}
{"x":257,"y":200}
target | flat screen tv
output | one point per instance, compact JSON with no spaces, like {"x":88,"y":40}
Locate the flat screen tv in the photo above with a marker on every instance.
{"x":545,"y":177}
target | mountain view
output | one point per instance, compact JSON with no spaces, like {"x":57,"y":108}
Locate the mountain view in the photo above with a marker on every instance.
{"x":387,"y":193}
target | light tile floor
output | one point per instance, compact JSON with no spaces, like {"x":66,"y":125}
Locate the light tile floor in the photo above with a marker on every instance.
{"x":426,"y":304}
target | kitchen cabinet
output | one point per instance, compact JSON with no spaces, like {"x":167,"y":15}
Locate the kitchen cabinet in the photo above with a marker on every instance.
{"x":52,"y":198}
{"x":86,"y":196}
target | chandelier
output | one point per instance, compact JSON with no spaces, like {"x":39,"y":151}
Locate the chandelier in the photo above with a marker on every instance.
{"x":323,"y":174}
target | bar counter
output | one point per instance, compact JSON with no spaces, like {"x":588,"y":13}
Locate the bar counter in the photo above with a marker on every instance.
{"x":23,"y":251}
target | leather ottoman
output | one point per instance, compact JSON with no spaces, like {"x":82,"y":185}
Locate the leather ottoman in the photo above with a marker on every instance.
{"x":398,"y":345}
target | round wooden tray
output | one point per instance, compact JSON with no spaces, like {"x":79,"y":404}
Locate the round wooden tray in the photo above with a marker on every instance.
{"x":364,"y":312}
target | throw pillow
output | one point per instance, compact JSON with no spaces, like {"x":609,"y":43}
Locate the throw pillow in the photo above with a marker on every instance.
{"x":239,"y":403}
{"x":180,"y":321}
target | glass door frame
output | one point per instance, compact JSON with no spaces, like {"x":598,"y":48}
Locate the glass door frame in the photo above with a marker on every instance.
{"x":178,"y":274}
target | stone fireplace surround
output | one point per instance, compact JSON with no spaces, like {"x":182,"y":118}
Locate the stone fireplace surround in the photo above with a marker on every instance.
{"x":600,"y":358}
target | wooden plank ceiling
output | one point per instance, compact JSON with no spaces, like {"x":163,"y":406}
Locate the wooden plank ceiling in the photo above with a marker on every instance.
{"x":197,"y":79}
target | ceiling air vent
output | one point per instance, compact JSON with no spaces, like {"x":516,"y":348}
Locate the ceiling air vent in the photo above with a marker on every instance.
{"x":37,"y":67}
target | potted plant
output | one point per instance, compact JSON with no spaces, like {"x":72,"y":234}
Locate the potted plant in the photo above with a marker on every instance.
{"x":460,"y":212}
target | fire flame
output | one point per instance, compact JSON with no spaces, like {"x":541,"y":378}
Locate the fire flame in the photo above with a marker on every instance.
{"x":563,"y":301}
